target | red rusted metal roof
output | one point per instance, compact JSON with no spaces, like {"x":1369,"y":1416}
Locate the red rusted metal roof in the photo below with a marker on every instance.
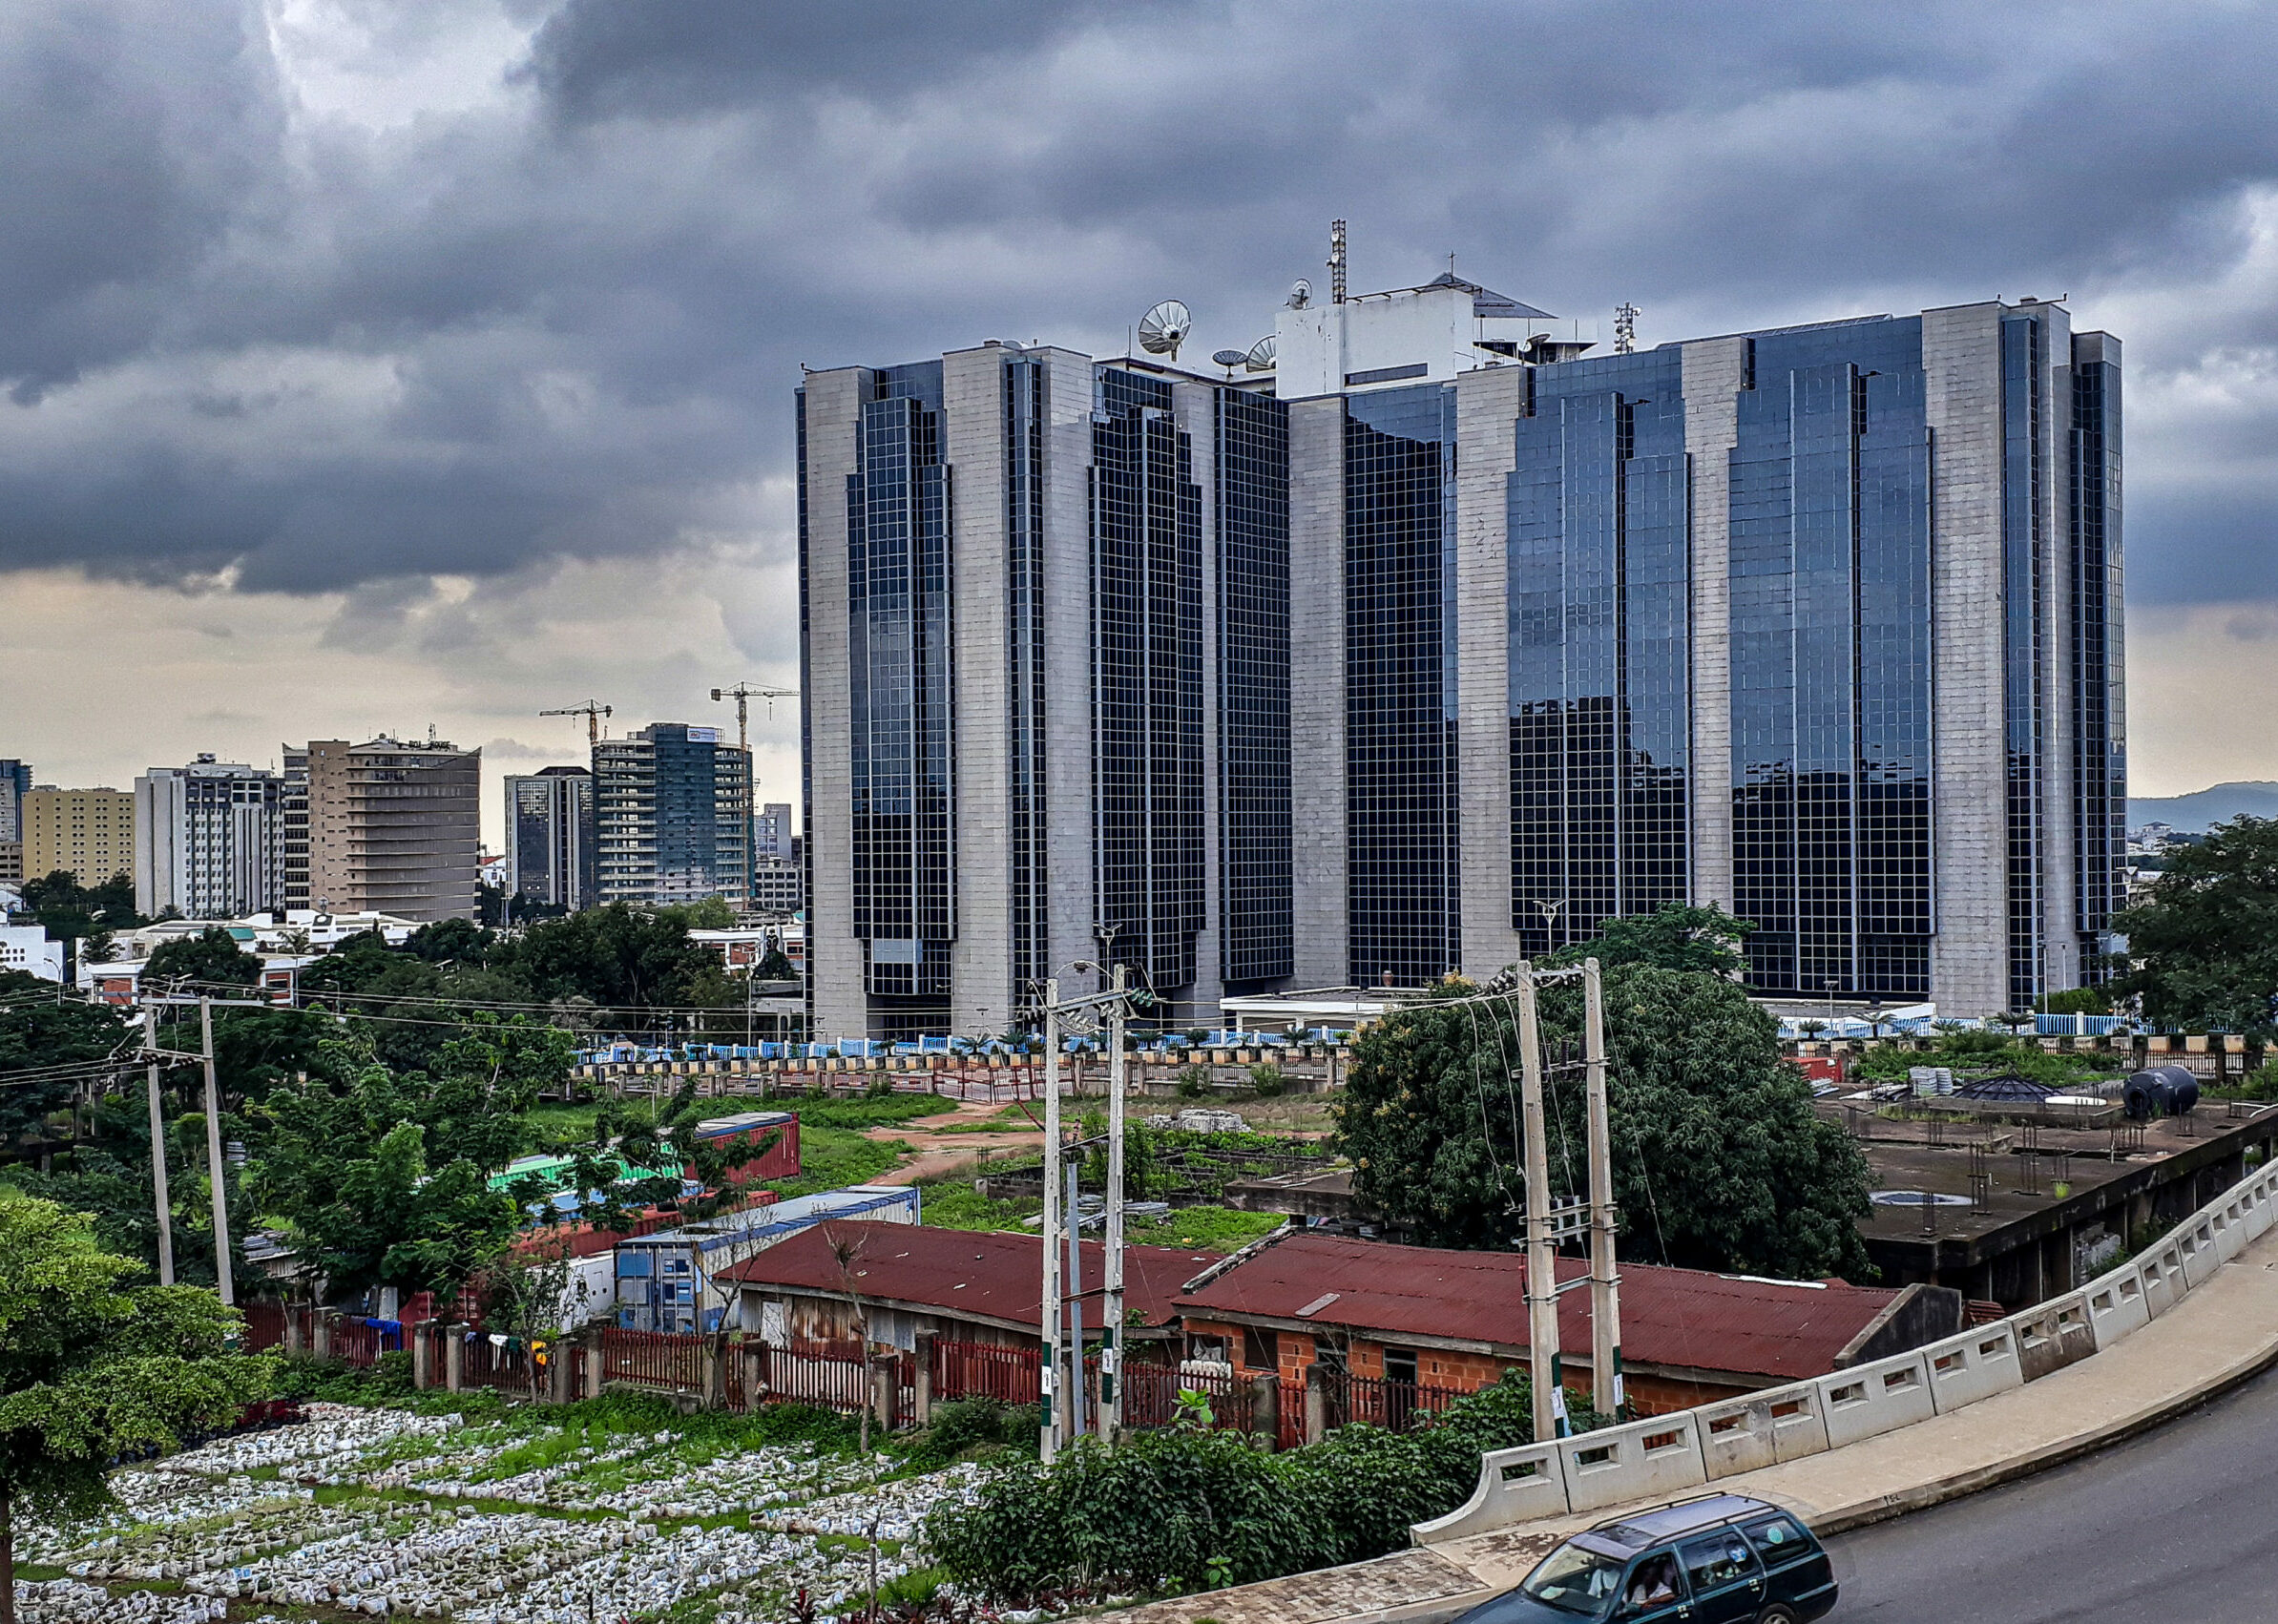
{"x":978,"y":1273}
{"x":1669,"y":1317}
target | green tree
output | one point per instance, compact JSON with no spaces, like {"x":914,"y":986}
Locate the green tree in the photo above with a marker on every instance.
{"x":41,"y":1027}
{"x":619,"y":956}
{"x":1719,"y":1160}
{"x":83,"y":917}
{"x":461,"y":939}
{"x":2206,"y":942}
{"x":211,"y":958}
{"x":91,"y":1367}
{"x":1705,"y":938}
{"x":386,"y":1175}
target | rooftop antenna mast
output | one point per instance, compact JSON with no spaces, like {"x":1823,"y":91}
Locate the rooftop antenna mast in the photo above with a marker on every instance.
{"x":1336,"y":262}
{"x":743,"y":693}
{"x":593,"y":711}
{"x":1625,"y":327}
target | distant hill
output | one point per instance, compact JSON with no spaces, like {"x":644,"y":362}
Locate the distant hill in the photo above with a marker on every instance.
{"x":2203,"y":809}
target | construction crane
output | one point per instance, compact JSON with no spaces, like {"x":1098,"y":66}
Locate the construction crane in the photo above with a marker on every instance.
{"x":743,"y":693}
{"x":593,"y":711}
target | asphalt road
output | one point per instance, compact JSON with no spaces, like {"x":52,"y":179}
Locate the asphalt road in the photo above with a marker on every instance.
{"x":2179,"y":1526}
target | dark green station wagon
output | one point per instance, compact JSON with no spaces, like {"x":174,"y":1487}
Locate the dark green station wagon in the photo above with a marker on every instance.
{"x":1720,"y":1559}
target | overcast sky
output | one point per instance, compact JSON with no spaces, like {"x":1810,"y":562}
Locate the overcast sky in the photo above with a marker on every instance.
{"x":366,"y":366}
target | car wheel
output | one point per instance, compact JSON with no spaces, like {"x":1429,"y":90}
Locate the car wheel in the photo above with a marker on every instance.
{"x":1776,"y":1614}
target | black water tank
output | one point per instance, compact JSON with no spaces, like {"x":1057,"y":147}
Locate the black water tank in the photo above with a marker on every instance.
{"x":2162,"y":1091}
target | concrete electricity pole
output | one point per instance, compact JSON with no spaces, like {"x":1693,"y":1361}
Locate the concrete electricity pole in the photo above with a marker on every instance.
{"x":1605,"y":1288}
{"x":1049,"y":1445}
{"x":158,"y":1152}
{"x":1111,"y":1344}
{"x":1542,"y":1284}
{"x":216,"y":1168}
{"x":223,"y":1281}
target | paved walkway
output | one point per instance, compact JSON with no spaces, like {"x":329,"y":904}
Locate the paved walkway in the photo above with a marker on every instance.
{"x":2218,"y":1335}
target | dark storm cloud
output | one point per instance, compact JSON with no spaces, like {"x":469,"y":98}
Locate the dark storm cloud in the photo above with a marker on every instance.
{"x":564,"y":317}
{"x":672,"y":57}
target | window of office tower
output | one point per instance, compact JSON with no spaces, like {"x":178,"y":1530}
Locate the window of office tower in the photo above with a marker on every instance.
{"x":898,"y":595}
{"x":1598,"y":629}
{"x":1401,"y":865}
{"x":1147,"y":769}
{"x":1256,"y":920}
{"x":1830,"y":578}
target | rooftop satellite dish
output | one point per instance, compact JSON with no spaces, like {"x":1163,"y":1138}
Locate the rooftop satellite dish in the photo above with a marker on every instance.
{"x":1163,"y":329}
{"x":1226,"y":358}
{"x":1260,"y":357}
{"x":1301,"y":294}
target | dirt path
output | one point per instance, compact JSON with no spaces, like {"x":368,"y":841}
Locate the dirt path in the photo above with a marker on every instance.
{"x":936,"y":1151}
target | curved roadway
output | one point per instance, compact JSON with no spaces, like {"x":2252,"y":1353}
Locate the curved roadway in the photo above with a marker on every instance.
{"x":2179,"y":1526}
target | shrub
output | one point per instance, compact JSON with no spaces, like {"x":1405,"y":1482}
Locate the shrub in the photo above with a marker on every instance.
{"x":1267,"y":1079}
{"x":1194,"y":1081}
{"x":1185,"y":1508}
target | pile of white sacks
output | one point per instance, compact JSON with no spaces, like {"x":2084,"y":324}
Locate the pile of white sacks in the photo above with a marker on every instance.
{"x":598,"y":1539}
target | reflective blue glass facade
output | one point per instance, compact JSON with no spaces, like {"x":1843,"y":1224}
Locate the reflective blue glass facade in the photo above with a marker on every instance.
{"x":1599,"y":543}
{"x":1256,"y":923}
{"x":2099,"y":746}
{"x":1148,"y":760}
{"x":1403,"y":879}
{"x":903,"y":805}
{"x":1830,"y":580}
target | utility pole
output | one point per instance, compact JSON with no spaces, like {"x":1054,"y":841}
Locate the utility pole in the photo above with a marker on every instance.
{"x":1542,"y":1285}
{"x":223,"y":1281}
{"x":1111,"y":1344}
{"x":216,"y":1168}
{"x":1605,"y":1287}
{"x":1051,"y":1365}
{"x":158,"y":1152}
{"x":1074,"y":1376}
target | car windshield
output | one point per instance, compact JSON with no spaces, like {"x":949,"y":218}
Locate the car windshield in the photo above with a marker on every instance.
{"x":1576,"y":1580}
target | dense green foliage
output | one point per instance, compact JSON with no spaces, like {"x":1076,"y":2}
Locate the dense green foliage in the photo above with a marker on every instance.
{"x":1984,"y":1055}
{"x":1705,"y":939}
{"x":84,"y":917}
{"x":212,"y":960}
{"x":384,"y":1175}
{"x":1182,"y":1507}
{"x":2205,"y":942}
{"x":91,"y":1367}
{"x":1719,"y":1160}
{"x":40,"y":1028}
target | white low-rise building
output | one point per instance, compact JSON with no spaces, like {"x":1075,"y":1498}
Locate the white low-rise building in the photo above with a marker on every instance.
{"x":31,"y":949}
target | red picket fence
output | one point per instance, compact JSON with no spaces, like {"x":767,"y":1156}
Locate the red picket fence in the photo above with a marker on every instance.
{"x":1376,"y":1402}
{"x":995,"y":1370}
{"x":834,"y":1382}
{"x":264,"y":1326}
{"x":355,"y":1343}
{"x":484,"y":1365}
{"x":652,"y":1358}
{"x":1151,"y":1396}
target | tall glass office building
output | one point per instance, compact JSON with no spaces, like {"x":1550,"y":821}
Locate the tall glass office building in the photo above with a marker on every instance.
{"x":1449,"y":640}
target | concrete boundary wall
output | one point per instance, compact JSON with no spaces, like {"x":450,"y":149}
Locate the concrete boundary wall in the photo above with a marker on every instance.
{"x":1663,"y":1456}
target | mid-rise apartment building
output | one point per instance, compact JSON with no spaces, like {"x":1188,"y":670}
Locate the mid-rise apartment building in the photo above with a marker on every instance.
{"x":394,"y":827}
{"x":208,"y":839}
{"x":550,"y":851}
{"x":1439,"y":639}
{"x":86,"y":833}
{"x":672,"y":816}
